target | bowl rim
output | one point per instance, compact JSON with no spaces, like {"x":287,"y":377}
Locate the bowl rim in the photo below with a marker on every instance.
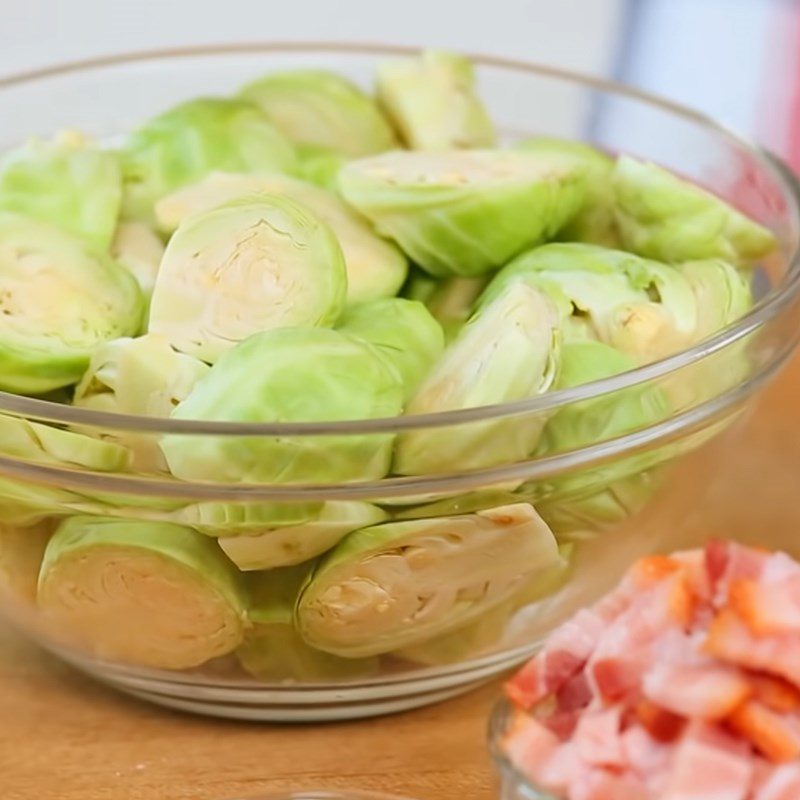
{"x":767,"y":308}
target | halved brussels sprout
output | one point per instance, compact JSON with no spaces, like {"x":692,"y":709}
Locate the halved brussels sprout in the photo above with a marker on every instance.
{"x":661,"y":216}
{"x":252,"y":264}
{"x":722,"y":294}
{"x":21,"y":552}
{"x":508,"y":351}
{"x":465,"y":212}
{"x":283,"y":546}
{"x":588,"y":500}
{"x":402,"y":331}
{"x":315,"y":107}
{"x":319,"y":165}
{"x":59,"y":299}
{"x":450,"y":301}
{"x":143,"y":377}
{"x":192,"y":139}
{"x":273,"y":650}
{"x":595,"y":222}
{"x":375,"y":267}
{"x":68,"y":183}
{"x":148,"y":593}
{"x":391,"y":586}
{"x":137,"y":247}
{"x":433,"y":103}
{"x":43,"y":444}
{"x":290,"y":375}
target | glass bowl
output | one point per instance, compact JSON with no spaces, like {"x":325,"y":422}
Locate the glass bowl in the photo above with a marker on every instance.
{"x":626,"y":491}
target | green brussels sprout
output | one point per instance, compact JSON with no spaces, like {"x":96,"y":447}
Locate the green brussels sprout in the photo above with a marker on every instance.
{"x":146,"y":593}
{"x":68,"y":183}
{"x":272,"y":546}
{"x":588,"y":500}
{"x":450,"y":301}
{"x":403,"y":331}
{"x":391,"y":586}
{"x":508,"y":351}
{"x":142,"y":377}
{"x":59,"y":299}
{"x":43,"y":444}
{"x":273,"y":650}
{"x":250,"y":265}
{"x":315,"y":107}
{"x":661,"y":216}
{"x":644,"y":308}
{"x":595,"y":222}
{"x":319,"y":165}
{"x":290,"y":375}
{"x":465,"y":212}
{"x":138,"y":248}
{"x":432,"y":102}
{"x":722,"y":294}
{"x":375,"y":268}
{"x":192,"y":139}
{"x":21,"y":553}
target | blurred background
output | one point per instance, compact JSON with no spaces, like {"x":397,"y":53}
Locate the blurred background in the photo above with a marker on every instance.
{"x":737,"y":60}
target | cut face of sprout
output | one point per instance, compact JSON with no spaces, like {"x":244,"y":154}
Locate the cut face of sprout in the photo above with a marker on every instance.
{"x":138,"y":248}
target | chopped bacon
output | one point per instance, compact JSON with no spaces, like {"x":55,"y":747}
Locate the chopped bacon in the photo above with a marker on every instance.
{"x":767,"y":608}
{"x":780,"y":783}
{"x":770,"y":733}
{"x":662,"y":725}
{"x":775,"y":693}
{"x":527,"y":743}
{"x":597,"y":737}
{"x":728,"y":561}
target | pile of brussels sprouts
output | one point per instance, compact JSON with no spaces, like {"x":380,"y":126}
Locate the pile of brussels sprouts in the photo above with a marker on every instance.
{"x":304,"y":252}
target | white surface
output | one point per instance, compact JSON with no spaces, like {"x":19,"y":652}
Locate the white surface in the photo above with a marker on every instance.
{"x":576,"y":33}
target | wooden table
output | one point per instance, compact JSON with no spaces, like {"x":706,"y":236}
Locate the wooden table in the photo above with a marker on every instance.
{"x":63,"y":737}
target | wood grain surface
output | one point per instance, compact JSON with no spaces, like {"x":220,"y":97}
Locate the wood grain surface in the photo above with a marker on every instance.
{"x":63,"y":737}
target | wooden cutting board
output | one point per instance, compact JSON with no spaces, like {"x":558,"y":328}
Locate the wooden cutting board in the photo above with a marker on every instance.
{"x":63,"y":737}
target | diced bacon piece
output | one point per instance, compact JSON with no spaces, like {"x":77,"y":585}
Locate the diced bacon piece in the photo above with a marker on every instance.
{"x":600,"y":784}
{"x":775,"y":693}
{"x":728,"y":561}
{"x":780,"y":783}
{"x":528,"y":744}
{"x":597,"y":737}
{"x":650,"y":570}
{"x":693,"y":563}
{"x":707,"y":691}
{"x":709,"y":764}
{"x":562,"y":657}
{"x":647,"y":758}
{"x":561,"y":723}
{"x":731,"y":640}
{"x":574,"y":694}
{"x":662,"y":725}
{"x":770,"y":733}
{"x":560,"y":770}
{"x":767,"y":608}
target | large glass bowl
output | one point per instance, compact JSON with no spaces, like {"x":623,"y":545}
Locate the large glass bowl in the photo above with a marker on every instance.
{"x":623,"y":493}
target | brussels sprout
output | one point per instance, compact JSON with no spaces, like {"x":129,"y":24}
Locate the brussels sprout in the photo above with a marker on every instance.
{"x":375,"y":268}
{"x":722,"y":294}
{"x":450,"y":301}
{"x":59,"y":299}
{"x":319,"y":165}
{"x":315,"y":107}
{"x":190,"y":140}
{"x":589,"y":499}
{"x":595,"y":222}
{"x":252,"y":264}
{"x":661,"y":216}
{"x":290,"y":375}
{"x":465,"y":212}
{"x":433,"y":103}
{"x":273,"y":650}
{"x":402,"y":331}
{"x":68,"y":183}
{"x":154,"y":594}
{"x":21,"y":552}
{"x":143,"y":377}
{"x":285,"y":546}
{"x":43,"y":444}
{"x":137,"y":248}
{"x":508,"y":351}
{"x":391,"y":586}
